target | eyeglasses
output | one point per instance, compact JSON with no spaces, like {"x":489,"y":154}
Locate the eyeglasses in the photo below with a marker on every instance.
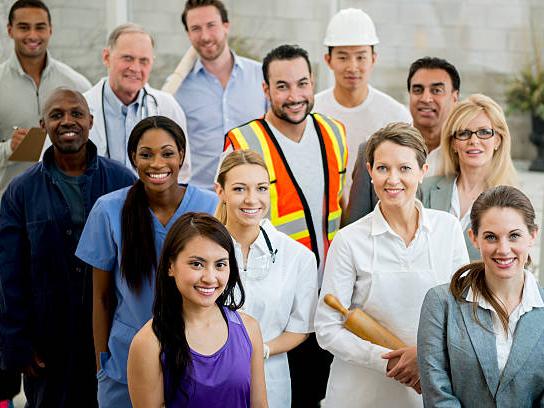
{"x":466,"y":134}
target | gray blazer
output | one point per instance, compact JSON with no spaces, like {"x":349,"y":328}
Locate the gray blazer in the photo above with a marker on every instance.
{"x":362,"y":197}
{"x":458,"y":358}
{"x":436,"y":193}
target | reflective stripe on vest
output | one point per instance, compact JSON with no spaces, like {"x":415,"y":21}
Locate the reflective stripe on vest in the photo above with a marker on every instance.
{"x":290,"y":216}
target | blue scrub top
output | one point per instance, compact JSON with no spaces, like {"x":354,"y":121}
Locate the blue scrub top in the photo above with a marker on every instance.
{"x":100,"y":247}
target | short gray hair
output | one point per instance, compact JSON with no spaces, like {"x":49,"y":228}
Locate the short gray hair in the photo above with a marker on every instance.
{"x":127,"y":28}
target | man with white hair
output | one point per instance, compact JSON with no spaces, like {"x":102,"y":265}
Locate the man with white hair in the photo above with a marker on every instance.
{"x":119,"y":101}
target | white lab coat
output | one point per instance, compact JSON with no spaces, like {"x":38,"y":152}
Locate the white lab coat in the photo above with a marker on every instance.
{"x":166,"y":106}
{"x":282,"y":296}
{"x":369,"y":266}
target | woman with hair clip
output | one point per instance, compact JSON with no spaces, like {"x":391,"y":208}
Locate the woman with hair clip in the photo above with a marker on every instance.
{"x":481,"y":338}
{"x":278,"y":273}
{"x":475,"y":149}
{"x":197,"y":351}
{"x":384,"y":264}
{"x":122,"y":240}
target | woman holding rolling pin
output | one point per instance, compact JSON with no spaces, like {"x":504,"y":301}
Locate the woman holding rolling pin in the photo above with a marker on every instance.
{"x":384,"y":264}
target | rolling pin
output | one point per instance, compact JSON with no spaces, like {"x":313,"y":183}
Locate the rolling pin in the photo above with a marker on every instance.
{"x":364,"y":326}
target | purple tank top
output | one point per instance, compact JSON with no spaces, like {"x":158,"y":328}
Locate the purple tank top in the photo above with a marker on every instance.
{"x":221,"y":379}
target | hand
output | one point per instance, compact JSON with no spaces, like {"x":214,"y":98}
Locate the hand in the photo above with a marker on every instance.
{"x":35,"y":366}
{"x":402,"y":366}
{"x":17,"y":137}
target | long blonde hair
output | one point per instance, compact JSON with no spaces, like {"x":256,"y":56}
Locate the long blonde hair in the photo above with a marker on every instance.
{"x":502,"y":171}
{"x":232,"y":160}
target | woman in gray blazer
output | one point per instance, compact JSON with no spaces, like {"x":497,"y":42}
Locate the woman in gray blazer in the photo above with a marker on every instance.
{"x":481,"y":338}
{"x":475,"y":146}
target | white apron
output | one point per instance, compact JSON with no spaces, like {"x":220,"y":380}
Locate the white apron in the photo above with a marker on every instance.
{"x":394,"y":301}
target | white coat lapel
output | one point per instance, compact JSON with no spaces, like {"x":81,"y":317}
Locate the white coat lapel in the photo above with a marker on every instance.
{"x":483,"y":342}
{"x":529,"y":330}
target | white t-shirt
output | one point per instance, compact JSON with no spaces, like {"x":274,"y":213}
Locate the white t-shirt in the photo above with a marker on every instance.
{"x":304,"y":159}
{"x":376,"y":111}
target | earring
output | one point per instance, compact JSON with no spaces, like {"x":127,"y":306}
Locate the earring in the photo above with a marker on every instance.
{"x":371,"y":181}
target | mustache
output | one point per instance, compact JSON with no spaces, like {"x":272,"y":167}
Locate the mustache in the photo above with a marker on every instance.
{"x":289,"y":104}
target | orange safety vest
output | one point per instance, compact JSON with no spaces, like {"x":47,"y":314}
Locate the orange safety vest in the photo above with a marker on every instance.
{"x":289,"y":210}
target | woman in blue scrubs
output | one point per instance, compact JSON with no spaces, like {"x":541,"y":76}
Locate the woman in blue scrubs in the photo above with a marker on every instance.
{"x":122,"y":240}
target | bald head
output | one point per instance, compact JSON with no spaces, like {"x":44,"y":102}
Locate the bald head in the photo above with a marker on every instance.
{"x":67,"y":120}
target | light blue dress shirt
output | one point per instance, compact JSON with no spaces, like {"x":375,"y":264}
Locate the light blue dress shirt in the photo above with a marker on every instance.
{"x":120,"y":120}
{"x":212,"y":111}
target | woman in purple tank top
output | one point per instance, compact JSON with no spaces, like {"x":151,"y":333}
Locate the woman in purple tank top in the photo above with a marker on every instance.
{"x":197,"y":351}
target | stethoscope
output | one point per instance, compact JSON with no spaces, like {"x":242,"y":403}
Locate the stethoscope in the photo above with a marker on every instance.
{"x":144,"y":111}
{"x":271,"y":250}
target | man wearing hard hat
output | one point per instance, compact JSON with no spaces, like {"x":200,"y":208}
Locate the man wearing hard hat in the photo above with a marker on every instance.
{"x":350,"y":38}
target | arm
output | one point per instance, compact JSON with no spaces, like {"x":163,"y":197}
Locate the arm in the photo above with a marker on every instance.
{"x":16,"y":351}
{"x":339,"y":279}
{"x":361,"y":192}
{"x":258,"y":386}
{"x":300,"y":321}
{"x":8,"y":147}
{"x":144,"y":372}
{"x":433,"y":358}
{"x":103,"y":308}
{"x":285,"y":342}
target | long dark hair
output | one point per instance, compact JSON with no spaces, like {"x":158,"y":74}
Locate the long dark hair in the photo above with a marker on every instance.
{"x":138,"y":255}
{"x":473,"y":275}
{"x":168,"y":323}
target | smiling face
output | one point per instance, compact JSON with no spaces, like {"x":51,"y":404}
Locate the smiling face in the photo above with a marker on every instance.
{"x":475,"y":152}
{"x":30,"y":32}
{"x":504,"y":242}
{"x":67,"y":121}
{"x":245,"y":194}
{"x":129,"y":64}
{"x":395,"y":175}
{"x":352,"y":66}
{"x":201,"y":271}
{"x":431,"y":98}
{"x":158,"y":160}
{"x":290,"y":90}
{"x":207,"y":33}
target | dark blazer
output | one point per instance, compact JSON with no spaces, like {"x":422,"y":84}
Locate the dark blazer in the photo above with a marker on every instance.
{"x":362,"y":197}
{"x":436,"y":193}
{"x":458,"y":358}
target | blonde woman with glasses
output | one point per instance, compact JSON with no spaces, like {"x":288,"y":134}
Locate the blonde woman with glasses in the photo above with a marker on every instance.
{"x":476,"y":156}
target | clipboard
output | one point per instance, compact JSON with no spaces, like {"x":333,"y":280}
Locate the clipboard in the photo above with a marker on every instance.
{"x":30,"y":148}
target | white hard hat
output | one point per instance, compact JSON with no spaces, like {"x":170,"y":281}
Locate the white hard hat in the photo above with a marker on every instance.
{"x":350,"y":27}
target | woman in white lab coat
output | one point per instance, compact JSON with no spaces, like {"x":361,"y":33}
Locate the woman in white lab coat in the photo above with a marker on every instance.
{"x":384,"y":264}
{"x":279,"y":275}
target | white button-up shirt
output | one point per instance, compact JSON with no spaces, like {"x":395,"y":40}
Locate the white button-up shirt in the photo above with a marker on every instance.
{"x":530,"y":299}
{"x":369,"y":266}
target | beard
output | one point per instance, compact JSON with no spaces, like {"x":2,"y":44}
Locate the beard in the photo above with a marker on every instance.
{"x":283,"y":115}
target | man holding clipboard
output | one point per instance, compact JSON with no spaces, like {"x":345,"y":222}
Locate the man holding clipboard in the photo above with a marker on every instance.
{"x":28,"y":76}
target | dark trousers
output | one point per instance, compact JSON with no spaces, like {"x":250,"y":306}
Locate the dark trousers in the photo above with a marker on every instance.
{"x":309,"y":365}
{"x":10,"y":384}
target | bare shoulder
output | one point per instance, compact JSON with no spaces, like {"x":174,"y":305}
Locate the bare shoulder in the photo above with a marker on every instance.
{"x":145,"y":341}
{"x":251,"y":324}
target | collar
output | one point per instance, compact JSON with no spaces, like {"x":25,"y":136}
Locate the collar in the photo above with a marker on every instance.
{"x":260,"y":242}
{"x":114,"y":102}
{"x":380,"y":225}
{"x":15,"y":64}
{"x":530,"y":297}
{"x":238,"y":63}
{"x":92,"y":158}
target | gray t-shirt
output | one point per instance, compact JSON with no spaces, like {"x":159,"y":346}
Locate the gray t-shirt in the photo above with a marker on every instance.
{"x":71,"y":191}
